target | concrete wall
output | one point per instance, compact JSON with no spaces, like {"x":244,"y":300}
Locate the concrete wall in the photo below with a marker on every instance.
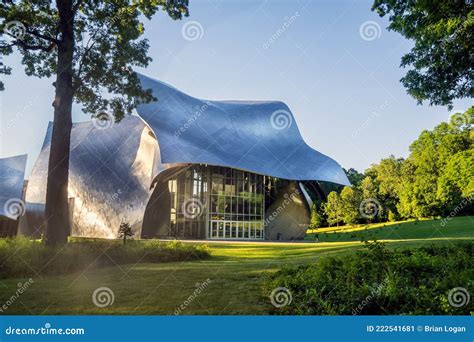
{"x":156,"y":221}
{"x":289,"y":215}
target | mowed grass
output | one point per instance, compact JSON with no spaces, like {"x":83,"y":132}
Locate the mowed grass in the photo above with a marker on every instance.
{"x":459,"y":227}
{"x":235,"y":271}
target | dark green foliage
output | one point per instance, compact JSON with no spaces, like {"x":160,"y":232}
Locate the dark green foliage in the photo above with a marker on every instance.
{"x":436,"y":179}
{"x":378,"y":281}
{"x":442,"y":60}
{"x":108,"y":43}
{"x":20,"y":257}
{"x":125,"y":231}
{"x":354,"y":176}
{"x":437,"y":175}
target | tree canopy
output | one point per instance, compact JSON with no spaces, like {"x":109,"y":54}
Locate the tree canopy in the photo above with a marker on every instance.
{"x":436,"y":179}
{"x":442,"y":60}
{"x":108,"y":44}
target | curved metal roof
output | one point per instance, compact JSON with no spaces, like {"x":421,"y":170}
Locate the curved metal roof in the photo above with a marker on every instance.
{"x":12,"y":174}
{"x":260,"y":137}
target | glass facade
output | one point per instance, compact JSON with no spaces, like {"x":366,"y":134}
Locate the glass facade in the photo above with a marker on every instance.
{"x":236,"y":204}
{"x":188,"y":195}
{"x":217,"y":203}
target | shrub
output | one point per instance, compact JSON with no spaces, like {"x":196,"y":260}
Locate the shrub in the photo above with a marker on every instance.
{"x":21,"y":257}
{"x":378,"y":281}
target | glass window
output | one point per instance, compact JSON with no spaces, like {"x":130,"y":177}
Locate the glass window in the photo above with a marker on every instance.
{"x":213,"y":229}
{"x":220,"y":232}
{"x":227,"y":230}
{"x":236,"y":203}
{"x":217,"y":183}
{"x":259,"y":207}
{"x":228,"y":204}
{"x":221,"y":204}
{"x":229,"y":187}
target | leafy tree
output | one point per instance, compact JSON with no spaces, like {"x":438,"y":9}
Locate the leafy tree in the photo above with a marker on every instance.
{"x":333,"y":208}
{"x":387,"y":176}
{"x":430,"y":154}
{"x":354,"y":176}
{"x":369,"y":191}
{"x":90,"y":47}
{"x":442,"y":59}
{"x":125,"y":231}
{"x":350,"y":199}
{"x":317,"y":219}
{"x":407,"y":200}
{"x":369,"y":188}
{"x":456,"y":181}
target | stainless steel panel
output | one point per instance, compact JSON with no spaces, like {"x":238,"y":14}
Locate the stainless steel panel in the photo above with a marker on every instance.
{"x":111,"y":170}
{"x":12,"y":175}
{"x":261,"y":137}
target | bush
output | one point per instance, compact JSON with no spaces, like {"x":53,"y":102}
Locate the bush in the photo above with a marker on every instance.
{"x":378,"y":281}
{"x":21,"y":257}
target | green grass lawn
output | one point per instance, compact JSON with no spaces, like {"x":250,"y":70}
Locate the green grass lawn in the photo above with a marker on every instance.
{"x":424,"y":229}
{"x":236,"y":271}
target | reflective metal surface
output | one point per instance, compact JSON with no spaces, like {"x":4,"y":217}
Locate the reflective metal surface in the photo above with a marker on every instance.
{"x":260,"y":137}
{"x":114,"y":166}
{"x":109,"y":180}
{"x":12,"y":174}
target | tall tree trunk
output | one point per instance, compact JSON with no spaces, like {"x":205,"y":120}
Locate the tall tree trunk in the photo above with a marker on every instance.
{"x":57,"y":210}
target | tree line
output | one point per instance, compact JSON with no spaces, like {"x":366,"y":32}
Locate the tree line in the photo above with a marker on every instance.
{"x":435,"y":180}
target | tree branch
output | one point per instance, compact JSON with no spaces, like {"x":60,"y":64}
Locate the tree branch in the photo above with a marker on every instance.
{"x":25,"y":46}
{"x":41,"y":36}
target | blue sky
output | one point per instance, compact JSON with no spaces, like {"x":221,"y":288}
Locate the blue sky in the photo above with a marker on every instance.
{"x":340,"y":81}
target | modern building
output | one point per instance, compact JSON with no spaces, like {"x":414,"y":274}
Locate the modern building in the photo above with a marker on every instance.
{"x":12,"y":173}
{"x":188,"y":168}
